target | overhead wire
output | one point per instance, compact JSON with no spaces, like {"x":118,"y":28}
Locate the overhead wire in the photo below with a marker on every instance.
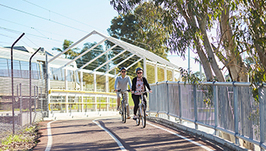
{"x":31,"y":41}
{"x":59,"y":14}
{"x":6,"y":36}
{"x":42,"y":18}
{"x":55,"y":21}
{"x":59,"y":22}
{"x":32,"y":27}
{"x":15,"y":31}
{"x":82,"y":22}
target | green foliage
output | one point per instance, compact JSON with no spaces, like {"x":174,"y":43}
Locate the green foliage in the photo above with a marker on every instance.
{"x":193,"y":78}
{"x":91,"y":55}
{"x":71,"y":53}
{"x":142,"y":27}
{"x":257,"y":77}
{"x":208,"y":95}
{"x":189,"y":77}
{"x":20,"y":141}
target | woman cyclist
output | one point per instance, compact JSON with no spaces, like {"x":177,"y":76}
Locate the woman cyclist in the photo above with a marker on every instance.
{"x":139,"y":83}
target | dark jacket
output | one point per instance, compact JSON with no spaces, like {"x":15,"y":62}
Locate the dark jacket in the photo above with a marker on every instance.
{"x":145,"y":82}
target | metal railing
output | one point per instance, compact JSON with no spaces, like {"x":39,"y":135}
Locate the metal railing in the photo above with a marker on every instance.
{"x":227,"y":108}
{"x":74,"y":101}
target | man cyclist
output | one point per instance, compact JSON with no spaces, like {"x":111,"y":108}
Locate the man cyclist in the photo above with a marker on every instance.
{"x":122,"y":83}
{"x":139,"y":83}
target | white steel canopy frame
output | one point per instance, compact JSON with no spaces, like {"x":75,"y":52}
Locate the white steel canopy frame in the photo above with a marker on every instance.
{"x":140,"y":52}
{"x":88,"y":78}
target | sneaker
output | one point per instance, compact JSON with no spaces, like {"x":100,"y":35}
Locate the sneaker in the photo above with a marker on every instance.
{"x":134,"y":117}
{"x":128,"y":117}
{"x":117,"y":108}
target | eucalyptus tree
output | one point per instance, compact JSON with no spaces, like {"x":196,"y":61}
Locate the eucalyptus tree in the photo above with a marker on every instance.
{"x":250,"y":27}
{"x":141,"y":28}
{"x":193,"y":21}
{"x":184,"y":17}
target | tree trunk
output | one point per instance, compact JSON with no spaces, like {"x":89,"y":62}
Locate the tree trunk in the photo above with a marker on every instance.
{"x":209,"y":50}
{"x":235,"y":64}
{"x":205,"y":63}
{"x":203,"y":58}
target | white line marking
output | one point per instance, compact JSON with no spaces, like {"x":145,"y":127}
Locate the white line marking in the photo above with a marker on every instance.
{"x":205,"y":147}
{"x":50,"y":138}
{"x":117,"y":141}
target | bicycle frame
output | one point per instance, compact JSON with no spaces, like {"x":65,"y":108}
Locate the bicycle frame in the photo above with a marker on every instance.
{"x":141,"y":110}
{"x":123,"y":106}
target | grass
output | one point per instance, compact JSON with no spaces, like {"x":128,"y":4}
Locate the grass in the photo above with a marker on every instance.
{"x":23,"y":140}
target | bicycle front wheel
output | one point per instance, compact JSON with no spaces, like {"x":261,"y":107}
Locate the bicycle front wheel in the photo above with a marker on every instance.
{"x":138,"y":118}
{"x":124,"y":113}
{"x":143,"y":117}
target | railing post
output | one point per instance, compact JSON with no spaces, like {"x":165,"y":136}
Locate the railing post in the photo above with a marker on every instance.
{"x":262,"y":107}
{"x":215,"y":100}
{"x":195,"y":105}
{"x":167,"y":100}
{"x":156,"y":104}
{"x":235,"y":89}
{"x":70,"y":107}
{"x":47,"y":84}
{"x":35,"y":105}
{"x":20,"y":98}
{"x":180,"y":104}
{"x":41,"y":102}
{"x":12,"y":82}
{"x":86,"y":110}
{"x":52,"y":108}
{"x":66,"y":88}
{"x":30,"y":82}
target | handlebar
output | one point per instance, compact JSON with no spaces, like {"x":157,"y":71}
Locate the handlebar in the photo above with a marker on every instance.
{"x":141,"y":91}
{"x":123,"y":90}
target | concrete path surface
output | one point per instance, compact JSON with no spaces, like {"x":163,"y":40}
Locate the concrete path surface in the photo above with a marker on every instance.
{"x":110,"y":133}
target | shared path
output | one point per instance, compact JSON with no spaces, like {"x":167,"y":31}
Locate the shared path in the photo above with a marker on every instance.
{"x":109,"y":133}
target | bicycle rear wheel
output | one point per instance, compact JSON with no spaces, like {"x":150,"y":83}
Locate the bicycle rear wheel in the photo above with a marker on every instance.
{"x":143,"y":117}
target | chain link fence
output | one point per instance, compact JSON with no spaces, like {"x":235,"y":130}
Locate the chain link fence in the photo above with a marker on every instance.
{"x":26,"y":110}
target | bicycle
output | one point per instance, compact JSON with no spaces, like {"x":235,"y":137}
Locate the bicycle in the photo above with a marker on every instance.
{"x":141,"y":112}
{"x":123,"y":106}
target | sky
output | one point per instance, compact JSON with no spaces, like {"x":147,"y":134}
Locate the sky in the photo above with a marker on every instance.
{"x":47,"y":23}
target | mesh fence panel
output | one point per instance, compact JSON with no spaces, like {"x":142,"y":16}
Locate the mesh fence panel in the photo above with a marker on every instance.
{"x":165,"y":98}
{"x":249,"y":113}
{"x":153,"y":99}
{"x":162,"y":97}
{"x":205,"y":105}
{"x":187,"y":101}
{"x":226,"y":107}
{"x":173,"y":99}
